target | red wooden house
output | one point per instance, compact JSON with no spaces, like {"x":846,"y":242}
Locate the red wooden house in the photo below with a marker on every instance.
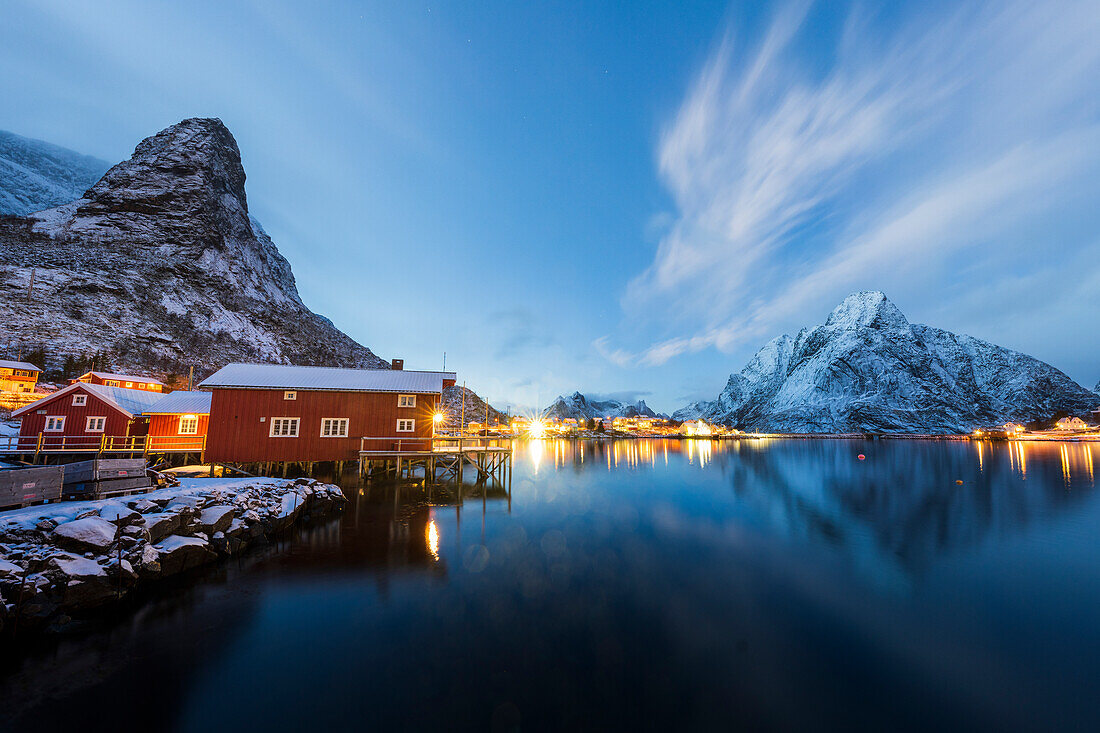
{"x":179,"y":421}
{"x":126,"y":381}
{"x":81,"y":414}
{"x":273,"y":413}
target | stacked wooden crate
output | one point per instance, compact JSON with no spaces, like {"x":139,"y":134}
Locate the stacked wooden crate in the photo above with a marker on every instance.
{"x":22,"y":486}
{"x":106,"y":477}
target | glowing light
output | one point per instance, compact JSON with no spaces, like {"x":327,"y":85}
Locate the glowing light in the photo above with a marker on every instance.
{"x":697,"y":428}
{"x":537,"y":429}
{"x":432,"y":535}
{"x":437,"y":417}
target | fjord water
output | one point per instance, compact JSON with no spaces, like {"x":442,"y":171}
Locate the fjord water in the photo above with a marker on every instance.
{"x":655,"y":584}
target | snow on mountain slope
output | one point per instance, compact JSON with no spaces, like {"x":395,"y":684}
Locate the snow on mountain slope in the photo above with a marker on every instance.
{"x":867,"y":369}
{"x":580,"y":407}
{"x":160,"y":265}
{"x":36,"y":175}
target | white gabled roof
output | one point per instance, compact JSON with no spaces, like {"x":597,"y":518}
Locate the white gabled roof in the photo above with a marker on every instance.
{"x":27,"y":366}
{"x":277,"y":376}
{"x":130,"y":401}
{"x":123,"y":377}
{"x":181,"y":402}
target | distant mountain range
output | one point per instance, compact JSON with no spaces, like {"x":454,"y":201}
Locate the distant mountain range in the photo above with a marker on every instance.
{"x":36,"y":175}
{"x":580,"y":407}
{"x":867,"y":369}
{"x":156,"y":263}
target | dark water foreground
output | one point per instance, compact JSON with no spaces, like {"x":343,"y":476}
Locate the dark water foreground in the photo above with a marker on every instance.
{"x":640,"y":584}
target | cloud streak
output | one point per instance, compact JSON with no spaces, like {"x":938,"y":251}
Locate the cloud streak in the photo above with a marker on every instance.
{"x":912,"y":164}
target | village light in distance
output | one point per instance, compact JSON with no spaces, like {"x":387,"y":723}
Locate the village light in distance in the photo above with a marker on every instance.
{"x":537,"y":429}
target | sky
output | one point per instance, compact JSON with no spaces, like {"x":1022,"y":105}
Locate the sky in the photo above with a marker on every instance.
{"x":625,"y":199}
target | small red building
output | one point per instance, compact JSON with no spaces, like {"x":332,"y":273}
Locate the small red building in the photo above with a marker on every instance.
{"x":81,"y":414}
{"x":126,"y":381}
{"x":179,"y":421}
{"x":273,"y":413}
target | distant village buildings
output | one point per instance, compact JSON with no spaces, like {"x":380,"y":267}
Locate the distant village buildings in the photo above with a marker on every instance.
{"x":18,"y":377}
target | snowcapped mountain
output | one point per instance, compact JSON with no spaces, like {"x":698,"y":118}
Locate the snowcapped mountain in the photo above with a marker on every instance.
{"x":867,"y":369}
{"x":693,"y":411}
{"x":580,"y":407}
{"x":458,"y":401}
{"x":36,"y":175}
{"x":160,"y":265}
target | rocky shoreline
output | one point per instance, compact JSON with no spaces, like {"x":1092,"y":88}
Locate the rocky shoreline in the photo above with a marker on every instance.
{"x":62,"y":560}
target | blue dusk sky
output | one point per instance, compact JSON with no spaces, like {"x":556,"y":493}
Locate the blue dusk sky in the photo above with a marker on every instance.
{"x":625,"y":198}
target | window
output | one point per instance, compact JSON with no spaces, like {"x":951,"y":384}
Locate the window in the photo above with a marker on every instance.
{"x":129,"y":385}
{"x":141,"y":385}
{"x":406,"y":426}
{"x":290,"y":395}
{"x":55,"y":423}
{"x":189,"y":425}
{"x":79,"y":400}
{"x":111,"y":382}
{"x":284,"y":427}
{"x":95,"y":425}
{"x":334,"y":427}
{"x":406,"y":400}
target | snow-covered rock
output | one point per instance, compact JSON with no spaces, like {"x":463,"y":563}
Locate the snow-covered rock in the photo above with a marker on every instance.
{"x":581,"y":407}
{"x":36,"y":175}
{"x":176,"y":554}
{"x":160,"y":525}
{"x":160,"y":264}
{"x":867,"y":369}
{"x":215,"y":519}
{"x":693,"y":411}
{"x":90,"y":533}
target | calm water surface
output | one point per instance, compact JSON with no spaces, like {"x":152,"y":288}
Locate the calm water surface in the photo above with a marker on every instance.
{"x":644,"y":584}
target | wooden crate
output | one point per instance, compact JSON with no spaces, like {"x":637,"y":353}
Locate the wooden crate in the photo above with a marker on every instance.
{"x":111,"y":487}
{"x":104,"y":469}
{"x":19,"y":486}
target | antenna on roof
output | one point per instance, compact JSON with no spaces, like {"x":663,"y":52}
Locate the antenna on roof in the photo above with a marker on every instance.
{"x":444,"y":361}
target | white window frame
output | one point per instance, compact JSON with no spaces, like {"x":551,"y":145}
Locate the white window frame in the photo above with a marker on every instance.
{"x":189,"y":418}
{"x":337,"y":427}
{"x":60,"y":424}
{"x":88,"y":424}
{"x":409,"y":421}
{"x":406,"y":400}
{"x":290,"y":395}
{"x":80,"y":400}
{"x":276,"y":429}
{"x":111,"y":383}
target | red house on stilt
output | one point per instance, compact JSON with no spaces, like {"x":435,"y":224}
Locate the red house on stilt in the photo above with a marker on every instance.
{"x":80,"y":415}
{"x":274,"y":413}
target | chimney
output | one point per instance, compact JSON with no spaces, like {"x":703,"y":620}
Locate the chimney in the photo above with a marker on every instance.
{"x":397,"y":364}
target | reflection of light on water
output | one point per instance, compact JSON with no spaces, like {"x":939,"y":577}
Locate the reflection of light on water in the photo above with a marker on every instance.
{"x":979,"y":455}
{"x":536,"y":448}
{"x":1088,"y":461}
{"x":432,"y":534}
{"x":704,"y":453}
{"x":1065,"y":463}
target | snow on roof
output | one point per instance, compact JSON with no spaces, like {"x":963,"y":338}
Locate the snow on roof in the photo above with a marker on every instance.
{"x":180,"y":403}
{"x":18,"y":365}
{"x":276,"y":376}
{"x":124,"y":377}
{"x":130,"y":401}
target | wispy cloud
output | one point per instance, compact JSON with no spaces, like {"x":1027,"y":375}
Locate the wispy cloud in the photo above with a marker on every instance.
{"x":917,"y":155}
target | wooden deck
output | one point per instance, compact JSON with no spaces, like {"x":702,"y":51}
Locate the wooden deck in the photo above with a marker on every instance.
{"x":41,"y":445}
{"x":446,"y":460}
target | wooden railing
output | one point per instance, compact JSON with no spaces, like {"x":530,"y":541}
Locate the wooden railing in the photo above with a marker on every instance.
{"x":46,"y":443}
{"x":436,"y":444}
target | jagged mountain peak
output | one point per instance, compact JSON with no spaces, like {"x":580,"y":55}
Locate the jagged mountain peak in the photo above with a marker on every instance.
{"x":198,"y":155}
{"x":866,"y":309}
{"x":160,"y":265}
{"x":36,"y":175}
{"x":868,"y":369}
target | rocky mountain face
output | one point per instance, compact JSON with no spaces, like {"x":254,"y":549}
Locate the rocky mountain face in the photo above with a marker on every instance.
{"x":867,"y":369}
{"x":36,"y":175}
{"x":693,"y":411}
{"x":459,"y":400}
{"x":580,"y":407}
{"x":160,"y":265}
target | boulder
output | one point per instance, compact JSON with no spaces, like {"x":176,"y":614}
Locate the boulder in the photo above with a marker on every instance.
{"x":81,"y":582}
{"x":144,"y":506}
{"x":215,"y":519}
{"x":176,"y":553}
{"x":161,"y":525}
{"x":118,"y":514}
{"x":90,"y":533}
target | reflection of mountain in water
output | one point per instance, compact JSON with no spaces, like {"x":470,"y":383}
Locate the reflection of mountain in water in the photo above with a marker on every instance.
{"x":902,"y":506}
